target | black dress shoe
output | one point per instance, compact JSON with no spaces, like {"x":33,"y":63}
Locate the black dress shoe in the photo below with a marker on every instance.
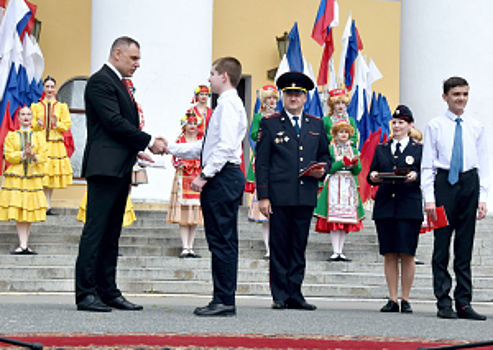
{"x":279,"y":305}
{"x":216,"y":310}
{"x":302,"y":306}
{"x":193,"y":255}
{"x":391,"y":306}
{"x":51,"y":212}
{"x":406,"y":307}
{"x":447,"y":313}
{"x":342,"y":257}
{"x":468,"y":312}
{"x":123,"y":304}
{"x":92,"y":303}
{"x":418,"y":262}
{"x":334,"y":258}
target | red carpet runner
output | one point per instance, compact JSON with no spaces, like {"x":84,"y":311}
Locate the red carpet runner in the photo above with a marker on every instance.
{"x":218,"y":341}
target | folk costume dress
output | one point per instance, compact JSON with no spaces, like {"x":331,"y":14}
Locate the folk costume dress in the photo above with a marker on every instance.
{"x":207,"y":115}
{"x":128,"y":218}
{"x":331,"y":120}
{"x":21,"y":197}
{"x":58,"y":173}
{"x":184,"y":204}
{"x":339,"y":205}
{"x":254,"y":213}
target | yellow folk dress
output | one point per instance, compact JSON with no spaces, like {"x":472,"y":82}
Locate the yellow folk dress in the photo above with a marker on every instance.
{"x":128,"y":218}
{"x":58,"y":173}
{"x":21,"y":197}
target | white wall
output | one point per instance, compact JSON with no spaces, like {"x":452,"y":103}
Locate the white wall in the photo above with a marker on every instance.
{"x":176,"y":48}
{"x":439,"y":39}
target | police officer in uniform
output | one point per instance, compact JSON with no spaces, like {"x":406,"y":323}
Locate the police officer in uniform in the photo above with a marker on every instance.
{"x":398,"y":209}
{"x":288,"y":143}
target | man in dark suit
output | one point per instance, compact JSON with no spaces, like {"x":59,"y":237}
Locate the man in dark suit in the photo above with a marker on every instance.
{"x":114,"y":141}
{"x":288,"y":143}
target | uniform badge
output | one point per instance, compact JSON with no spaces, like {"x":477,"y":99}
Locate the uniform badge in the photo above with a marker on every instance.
{"x":286,"y":139}
{"x":409,"y":160}
{"x":277,"y":140}
{"x":259,"y":134}
{"x":280,"y":133}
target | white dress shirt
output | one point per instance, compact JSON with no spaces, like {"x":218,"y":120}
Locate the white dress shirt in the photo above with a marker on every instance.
{"x":437,"y":151}
{"x":223,"y":139}
{"x":293,"y":122}
{"x":403,"y":143}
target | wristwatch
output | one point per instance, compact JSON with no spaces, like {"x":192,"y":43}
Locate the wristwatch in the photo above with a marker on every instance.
{"x":203,"y":177}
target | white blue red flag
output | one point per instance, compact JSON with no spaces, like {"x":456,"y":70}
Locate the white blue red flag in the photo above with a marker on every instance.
{"x":327,"y":17}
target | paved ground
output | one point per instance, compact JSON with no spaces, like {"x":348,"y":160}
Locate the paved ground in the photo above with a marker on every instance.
{"x":25,"y":313}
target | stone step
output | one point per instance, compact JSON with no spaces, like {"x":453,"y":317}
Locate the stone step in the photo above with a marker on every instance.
{"x":244,"y":276}
{"x":149,"y":260}
{"x":205,"y":288}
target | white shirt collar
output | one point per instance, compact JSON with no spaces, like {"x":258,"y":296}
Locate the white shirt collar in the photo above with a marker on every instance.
{"x":225,"y":94}
{"x":292,"y":115}
{"x":118,"y":74}
{"x":403,"y":142}
{"x":453,"y":116}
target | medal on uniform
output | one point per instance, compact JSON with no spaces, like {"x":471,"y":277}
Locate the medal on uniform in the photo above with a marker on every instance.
{"x":409,"y":160}
{"x":276,"y":140}
{"x":286,"y":139}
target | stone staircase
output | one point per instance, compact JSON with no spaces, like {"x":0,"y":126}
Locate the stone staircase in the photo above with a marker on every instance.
{"x":149,"y":262}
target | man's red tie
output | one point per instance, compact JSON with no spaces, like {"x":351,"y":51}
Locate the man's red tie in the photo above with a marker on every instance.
{"x":128,"y":84}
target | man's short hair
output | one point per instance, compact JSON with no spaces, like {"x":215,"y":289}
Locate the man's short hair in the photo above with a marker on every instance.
{"x":121,"y":42}
{"x":231,"y":66}
{"x":452,"y":82}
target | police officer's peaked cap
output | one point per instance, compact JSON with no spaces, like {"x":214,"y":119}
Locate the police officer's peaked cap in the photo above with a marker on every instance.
{"x":295,"y":81}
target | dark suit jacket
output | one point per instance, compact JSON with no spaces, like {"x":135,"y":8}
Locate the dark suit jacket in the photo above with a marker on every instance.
{"x":397,"y":199}
{"x":113,"y":135}
{"x":281,"y":155}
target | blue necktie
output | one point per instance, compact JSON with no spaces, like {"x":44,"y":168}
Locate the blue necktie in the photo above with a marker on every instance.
{"x":457,"y":161}
{"x":296,"y":125}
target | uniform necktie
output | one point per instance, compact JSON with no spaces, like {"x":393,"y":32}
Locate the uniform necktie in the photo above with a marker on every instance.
{"x":457,"y":161}
{"x":397,"y":149}
{"x":296,"y":125}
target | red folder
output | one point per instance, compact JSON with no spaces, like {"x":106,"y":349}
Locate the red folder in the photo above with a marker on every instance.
{"x":312,"y":166}
{"x":441,"y":220}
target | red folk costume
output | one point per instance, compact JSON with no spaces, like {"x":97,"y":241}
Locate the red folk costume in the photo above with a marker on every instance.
{"x":207,"y":113}
{"x":184,"y":206}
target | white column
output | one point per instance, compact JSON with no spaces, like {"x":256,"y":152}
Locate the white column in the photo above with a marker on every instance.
{"x":440,"y":39}
{"x":176,"y":48}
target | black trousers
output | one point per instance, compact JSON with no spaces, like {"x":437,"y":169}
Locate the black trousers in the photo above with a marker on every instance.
{"x":220,"y":200}
{"x":289,"y":228}
{"x":95,"y":268}
{"x":461,"y":203}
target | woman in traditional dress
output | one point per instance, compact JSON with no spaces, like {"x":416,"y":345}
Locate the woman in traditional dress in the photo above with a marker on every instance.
{"x":339,"y":207}
{"x":269,"y":96}
{"x":398,"y":209}
{"x":338,"y":101}
{"x":201,"y":110}
{"x":184,"y":206}
{"x":53,"y":118}
{"x":21,"y":196}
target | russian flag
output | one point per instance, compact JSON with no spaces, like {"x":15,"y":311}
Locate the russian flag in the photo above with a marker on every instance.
{"x":354,"y":45}
{"x":327,"y":16}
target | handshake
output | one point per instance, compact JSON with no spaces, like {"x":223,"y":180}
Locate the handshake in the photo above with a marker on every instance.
{"x":160,"y":146}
